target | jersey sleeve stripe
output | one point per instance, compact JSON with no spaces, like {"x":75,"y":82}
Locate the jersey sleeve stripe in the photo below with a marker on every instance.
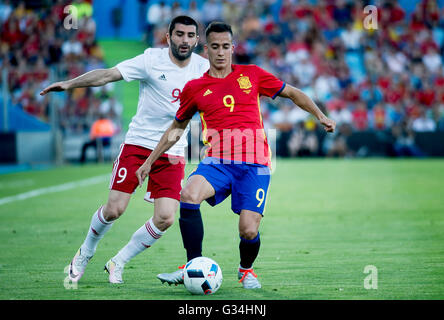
{"x":280,"y":90}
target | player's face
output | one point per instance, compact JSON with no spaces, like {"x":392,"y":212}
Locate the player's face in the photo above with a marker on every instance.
{"x":220,"y":49}
{"x":183,"y":40}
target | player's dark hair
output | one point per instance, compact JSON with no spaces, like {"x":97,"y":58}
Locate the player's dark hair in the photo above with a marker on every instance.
{"x":218,"y":27}
{"x":186,"y":20}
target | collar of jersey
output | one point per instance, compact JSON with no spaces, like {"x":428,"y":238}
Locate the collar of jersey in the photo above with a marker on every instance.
{"x":234,"y":68}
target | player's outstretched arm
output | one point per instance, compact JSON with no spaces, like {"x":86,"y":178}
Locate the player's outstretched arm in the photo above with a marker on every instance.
{"x":303,"y":101}
{"x":94,"y":78}
{"x":169,"y":138}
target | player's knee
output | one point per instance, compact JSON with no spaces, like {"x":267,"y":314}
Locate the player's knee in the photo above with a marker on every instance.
{"x":112,"y":212}
{"x":248,"y":233}
{"x":168,"y":222}
{"x":163,"y":221}
{"x":165,"y":224}
{"x":189,"y":196}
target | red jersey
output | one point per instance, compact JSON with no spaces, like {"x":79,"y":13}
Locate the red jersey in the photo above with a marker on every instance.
{"x":230,"y":111}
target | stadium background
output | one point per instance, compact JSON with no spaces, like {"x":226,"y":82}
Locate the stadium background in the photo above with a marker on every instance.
{"x":384,"y":87}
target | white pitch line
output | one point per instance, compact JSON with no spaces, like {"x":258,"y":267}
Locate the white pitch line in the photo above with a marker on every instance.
{"x":57,"y":188}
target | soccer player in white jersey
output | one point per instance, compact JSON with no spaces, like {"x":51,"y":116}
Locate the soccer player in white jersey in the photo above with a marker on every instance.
{"x":162,"y":74}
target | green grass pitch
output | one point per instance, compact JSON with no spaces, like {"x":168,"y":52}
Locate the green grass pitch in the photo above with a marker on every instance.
{"x":325,"y":221}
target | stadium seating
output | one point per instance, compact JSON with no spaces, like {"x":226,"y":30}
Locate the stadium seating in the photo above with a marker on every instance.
{"x":320,"y":46}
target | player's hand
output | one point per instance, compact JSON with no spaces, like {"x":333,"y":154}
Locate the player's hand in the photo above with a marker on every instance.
{"x":329,"y":124}
{"x":143,"y":172}
{"x":57,"y":86}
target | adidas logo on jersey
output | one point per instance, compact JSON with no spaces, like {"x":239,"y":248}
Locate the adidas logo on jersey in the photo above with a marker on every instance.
{"x":162,"y":77}
{"x":207,"y":92}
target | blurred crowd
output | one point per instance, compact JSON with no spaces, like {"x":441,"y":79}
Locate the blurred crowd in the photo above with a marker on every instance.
{"x":389,"y":79}
{"x":41,"y":44}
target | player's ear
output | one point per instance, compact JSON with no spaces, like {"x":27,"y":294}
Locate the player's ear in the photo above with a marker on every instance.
{"x":168,"y":38}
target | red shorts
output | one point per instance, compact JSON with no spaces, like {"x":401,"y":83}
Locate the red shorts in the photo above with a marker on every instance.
{"x":164,"y":179}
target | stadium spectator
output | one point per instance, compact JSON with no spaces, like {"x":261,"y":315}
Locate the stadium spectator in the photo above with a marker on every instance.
{"x":176,"y":9}
{"x":112,"y":109}
{"x":211,"y":11}
{"x":336,"y":145}
{"x":395,"y":60}
{"x":404,"y":141}
{"x":12,"y":35}
{"x":426,"y":96}
{"x":423,"y":123}
{"x":5,"y":11}
{"x":339,"y":112}
{"x":326,"y":86}
{"x":304,"y":71}
{"x":158,"y":15}
{"x":395,"y":113}
{"x":432,"y":60}
{"x":351,"y":37}
{"x":440,"y":117}
{"x":281,"y":120}
{"x":101,"y":132}
{"x":360,"y":117}
{"x":231,"y":13}
{"x":303,"y":141}
{"x":342,"y":13}
{"x":193,"y":11}
{"x":72,"y":48}
{"x":378,"y":117}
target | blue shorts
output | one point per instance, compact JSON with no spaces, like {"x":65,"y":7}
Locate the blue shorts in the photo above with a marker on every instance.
{"x":247,"y":183}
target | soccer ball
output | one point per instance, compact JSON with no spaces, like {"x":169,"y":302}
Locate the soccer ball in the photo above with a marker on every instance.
{"x":202,"y":275}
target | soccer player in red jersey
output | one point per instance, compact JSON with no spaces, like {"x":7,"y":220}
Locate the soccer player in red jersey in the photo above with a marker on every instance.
{"x":237,"y":160}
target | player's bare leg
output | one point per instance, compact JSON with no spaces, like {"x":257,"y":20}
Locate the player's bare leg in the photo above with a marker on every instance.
{"x":144,"y":237}
{"x":116,"y":205}
{"x":195,"y":191}
{"x":164,"y":212}
{"x":249,"y":245}
{"x":101,"y":222}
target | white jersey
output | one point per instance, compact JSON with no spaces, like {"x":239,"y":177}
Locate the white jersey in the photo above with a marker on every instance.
{"x":161,"y":82}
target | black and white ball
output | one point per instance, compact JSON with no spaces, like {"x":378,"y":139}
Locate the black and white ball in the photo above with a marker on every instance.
{"x":202,"y":275}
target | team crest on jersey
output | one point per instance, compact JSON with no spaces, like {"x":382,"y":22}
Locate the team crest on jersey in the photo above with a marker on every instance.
{"x":244,"y":83}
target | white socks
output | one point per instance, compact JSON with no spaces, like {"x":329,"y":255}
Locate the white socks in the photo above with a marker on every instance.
{"x":99,"y":226}
{"x":142,"y":239}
